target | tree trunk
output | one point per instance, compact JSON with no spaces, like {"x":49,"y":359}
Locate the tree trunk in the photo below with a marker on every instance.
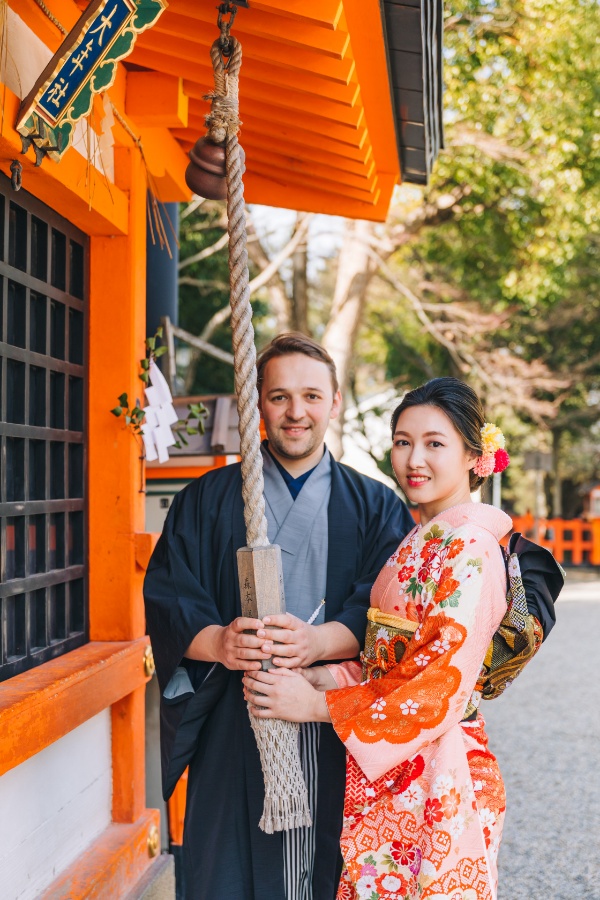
{"x":299,"y":318}
{"x":356,"y":267}
{"x":278,"y":298}
{"x":557,"y":482}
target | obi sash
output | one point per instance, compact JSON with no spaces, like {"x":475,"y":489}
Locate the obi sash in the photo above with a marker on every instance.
{"x":385,"y":642}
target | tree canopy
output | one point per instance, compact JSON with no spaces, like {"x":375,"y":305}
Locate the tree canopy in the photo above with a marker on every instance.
{"x":491,"y":272}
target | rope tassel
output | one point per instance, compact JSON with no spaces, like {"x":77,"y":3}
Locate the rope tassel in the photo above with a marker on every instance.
{"x":286,"y":799}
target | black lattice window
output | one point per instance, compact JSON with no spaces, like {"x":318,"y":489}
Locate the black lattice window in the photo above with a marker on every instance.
{"x":43,"y":324}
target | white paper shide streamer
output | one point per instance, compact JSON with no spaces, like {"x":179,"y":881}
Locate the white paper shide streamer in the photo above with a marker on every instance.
{"x":160,"y":415}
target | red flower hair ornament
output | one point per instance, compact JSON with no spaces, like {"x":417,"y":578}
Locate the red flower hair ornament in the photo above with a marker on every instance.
{"x":494,"y":458}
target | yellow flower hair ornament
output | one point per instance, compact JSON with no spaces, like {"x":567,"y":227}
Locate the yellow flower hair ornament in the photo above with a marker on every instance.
{"x":494,"y":458}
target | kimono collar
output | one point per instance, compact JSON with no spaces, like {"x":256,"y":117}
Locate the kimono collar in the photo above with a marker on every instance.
{"x":491,"y":518}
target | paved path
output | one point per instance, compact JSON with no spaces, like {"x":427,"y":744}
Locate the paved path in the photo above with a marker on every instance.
{"x":545,"y":731}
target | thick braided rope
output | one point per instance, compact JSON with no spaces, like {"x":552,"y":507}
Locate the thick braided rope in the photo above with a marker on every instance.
{"x":286,"y":799}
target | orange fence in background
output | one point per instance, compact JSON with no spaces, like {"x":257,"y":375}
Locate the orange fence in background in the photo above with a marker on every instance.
{"x":574,"y":541}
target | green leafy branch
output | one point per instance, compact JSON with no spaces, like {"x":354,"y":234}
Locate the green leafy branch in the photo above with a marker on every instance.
{"x":134,"y":416}
{"x":194,"y":422}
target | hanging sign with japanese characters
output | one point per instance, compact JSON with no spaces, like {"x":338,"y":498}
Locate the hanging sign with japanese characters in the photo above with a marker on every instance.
{"x":84,"y":65}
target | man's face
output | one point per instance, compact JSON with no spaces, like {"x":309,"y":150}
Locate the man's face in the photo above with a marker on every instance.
{"x":297,"y":403}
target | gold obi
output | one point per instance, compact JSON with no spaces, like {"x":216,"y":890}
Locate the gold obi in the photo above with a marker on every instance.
{"x":385,"y":642}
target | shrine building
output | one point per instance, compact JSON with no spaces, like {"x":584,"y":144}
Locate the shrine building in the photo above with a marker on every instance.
{"x":340,"y":101}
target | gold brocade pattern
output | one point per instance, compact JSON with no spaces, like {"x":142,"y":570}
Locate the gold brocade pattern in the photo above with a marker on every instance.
{"x":385,"y":642}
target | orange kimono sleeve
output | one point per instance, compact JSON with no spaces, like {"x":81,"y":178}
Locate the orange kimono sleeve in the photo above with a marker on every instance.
{"x":387,"y":720}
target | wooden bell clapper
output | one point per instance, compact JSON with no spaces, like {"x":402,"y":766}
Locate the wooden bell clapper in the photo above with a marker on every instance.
{"x":261,"y":583}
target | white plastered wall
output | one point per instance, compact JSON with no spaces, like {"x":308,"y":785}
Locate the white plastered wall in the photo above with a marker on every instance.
{"x":53,"y":806}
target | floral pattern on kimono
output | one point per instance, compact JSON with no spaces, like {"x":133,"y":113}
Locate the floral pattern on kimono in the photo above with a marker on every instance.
{"x":425,"y":802}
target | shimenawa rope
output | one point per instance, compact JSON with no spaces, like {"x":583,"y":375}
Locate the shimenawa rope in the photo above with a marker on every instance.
{"x":286,"y":800}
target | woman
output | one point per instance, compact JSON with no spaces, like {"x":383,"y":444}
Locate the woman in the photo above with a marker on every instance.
{"x":424,"y":800}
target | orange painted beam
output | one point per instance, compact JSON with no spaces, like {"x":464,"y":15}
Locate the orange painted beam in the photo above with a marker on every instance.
{"x":273,"y":28}
{"x":345,"y":134}
{"x":284,"y":177}
{"x":178,"y":473}
{"x":265,"y":191}
{"x":199,"y":77}
{"x":324,"y":13}
{"x":364,"y":22}
{"x":346,"y":94}
{"x":112,"y":865}
{"x":66,"y":11}
{"x":156,"y":101}
{"x":176,"y":807}
{"x":256,"y":48}
{"x":145,"y":542}
{"x":251,"y":109}
{"x":297,"y":165}
{"x":173,"y":55}
{"x":312,"y":85}
{"x":63,"y":186}
{"x":39,"y":707}
{"x":268,"y":131}
{"x":305,"y":153}
{"x":128,"y":717}
{"x":117,"y":325}
{"x":164,"y":158}
{"x":305,"y":140}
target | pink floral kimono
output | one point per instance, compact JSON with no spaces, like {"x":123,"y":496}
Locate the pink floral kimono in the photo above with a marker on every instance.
{"x":424,"y":801}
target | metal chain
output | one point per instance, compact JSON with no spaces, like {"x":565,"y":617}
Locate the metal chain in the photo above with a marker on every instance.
{"x":225,"y":41}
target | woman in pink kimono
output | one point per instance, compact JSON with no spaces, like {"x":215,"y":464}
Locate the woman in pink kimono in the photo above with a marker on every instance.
{"x":425,"y":801}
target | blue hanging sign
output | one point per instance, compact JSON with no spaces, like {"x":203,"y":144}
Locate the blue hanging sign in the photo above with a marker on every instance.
{"x":84,"y":65}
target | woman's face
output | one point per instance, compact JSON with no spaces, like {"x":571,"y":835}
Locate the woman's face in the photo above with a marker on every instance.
{"x":430,"y":460}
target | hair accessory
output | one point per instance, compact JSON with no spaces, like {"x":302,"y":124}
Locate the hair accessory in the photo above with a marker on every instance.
{"x":494,"y":458}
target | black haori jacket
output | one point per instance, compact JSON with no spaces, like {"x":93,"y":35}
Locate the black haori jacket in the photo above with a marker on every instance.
{"x":191,"y":583}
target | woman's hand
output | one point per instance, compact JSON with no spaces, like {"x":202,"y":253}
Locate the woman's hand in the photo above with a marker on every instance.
{"x":284,"y":694}
{"x":320,"y":677}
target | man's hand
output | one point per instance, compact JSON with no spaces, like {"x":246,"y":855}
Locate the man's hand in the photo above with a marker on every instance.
{"x":292,"y":642}
{"x":296,"y":644}
{"x":230,"y":645}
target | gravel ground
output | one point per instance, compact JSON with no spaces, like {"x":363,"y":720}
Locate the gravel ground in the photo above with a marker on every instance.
{"x":545,"y":731}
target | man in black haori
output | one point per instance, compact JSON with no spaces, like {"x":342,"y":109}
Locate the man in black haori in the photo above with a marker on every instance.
{"x":336,"y":528}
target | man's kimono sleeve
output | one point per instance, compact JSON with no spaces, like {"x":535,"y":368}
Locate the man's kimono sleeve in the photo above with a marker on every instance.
{"x":384,"y":722}
{"x":177,"y":604}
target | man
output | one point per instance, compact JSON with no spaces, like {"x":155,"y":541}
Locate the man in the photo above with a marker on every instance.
{"x":336,"y":529}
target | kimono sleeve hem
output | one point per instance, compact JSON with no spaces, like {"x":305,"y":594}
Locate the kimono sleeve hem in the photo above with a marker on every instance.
{"x":185,"y":632}
{"x":345,"y":674}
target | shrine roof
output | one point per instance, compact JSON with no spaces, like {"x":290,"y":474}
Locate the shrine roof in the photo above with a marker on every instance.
{"x":339,"y":99}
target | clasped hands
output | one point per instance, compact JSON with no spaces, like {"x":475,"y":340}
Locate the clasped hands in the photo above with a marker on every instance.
{"x":286,"y":691}
{"x":289,"y":641}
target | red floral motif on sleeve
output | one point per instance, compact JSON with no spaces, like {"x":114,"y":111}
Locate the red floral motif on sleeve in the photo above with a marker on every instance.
{"x":446,"y":587}
{"x":403,"y":555}
{"x":455,"y":547}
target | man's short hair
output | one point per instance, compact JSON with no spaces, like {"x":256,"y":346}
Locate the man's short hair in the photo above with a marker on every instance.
{"x":295,"y":342}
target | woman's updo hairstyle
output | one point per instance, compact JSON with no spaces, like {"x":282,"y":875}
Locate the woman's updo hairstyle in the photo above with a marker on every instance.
{"x":462,"y":406}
